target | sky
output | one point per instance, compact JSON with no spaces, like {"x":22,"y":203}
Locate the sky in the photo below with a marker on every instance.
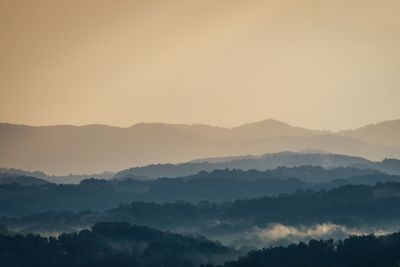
{"x":312,"y":63}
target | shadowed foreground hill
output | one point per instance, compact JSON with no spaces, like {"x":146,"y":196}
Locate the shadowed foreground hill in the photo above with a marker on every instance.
{"x":120,"y":244}
{"x":95,"y":148}
{"x":112,"y":244}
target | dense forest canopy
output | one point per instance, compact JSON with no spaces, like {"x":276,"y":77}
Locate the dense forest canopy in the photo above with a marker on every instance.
{"x":111,"y":244}
{"x":243,"y":209}
{"x":121,"y":244}
{"x":218,"y":186}
{"x":335,"y":213}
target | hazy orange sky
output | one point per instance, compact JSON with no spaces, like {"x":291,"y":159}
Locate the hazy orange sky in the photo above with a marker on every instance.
{"x":312,"y":63}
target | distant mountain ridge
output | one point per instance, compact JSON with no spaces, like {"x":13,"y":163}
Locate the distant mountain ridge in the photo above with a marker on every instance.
{"x":261,"y":162}
{"x":385,"y":133}
{"x":94,"y":148}
{"x":71,"y":178}
{"x":6,"y":178}
{"x":256,"y":130}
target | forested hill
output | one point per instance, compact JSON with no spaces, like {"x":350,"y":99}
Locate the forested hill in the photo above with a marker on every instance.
{"x":350,"y":205}
{"x":112,"y":244}
{"x":218,"y":185}
{"x":6,"y":178}
{"x":123,"y":245}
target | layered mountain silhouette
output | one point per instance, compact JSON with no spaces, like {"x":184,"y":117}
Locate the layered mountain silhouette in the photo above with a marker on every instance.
{"x":262,"y":162}
{"x":94,"y":148}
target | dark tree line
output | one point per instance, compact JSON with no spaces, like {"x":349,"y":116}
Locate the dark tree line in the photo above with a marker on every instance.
{"x":355,"y":251}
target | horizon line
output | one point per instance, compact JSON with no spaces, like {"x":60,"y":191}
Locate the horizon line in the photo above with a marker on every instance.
{"x":193,"y":124}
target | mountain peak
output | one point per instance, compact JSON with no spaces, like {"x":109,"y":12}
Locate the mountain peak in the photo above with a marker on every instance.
{"x":385,"y":132}
{"x":270,"y":128}
{"x":269,"y":122}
